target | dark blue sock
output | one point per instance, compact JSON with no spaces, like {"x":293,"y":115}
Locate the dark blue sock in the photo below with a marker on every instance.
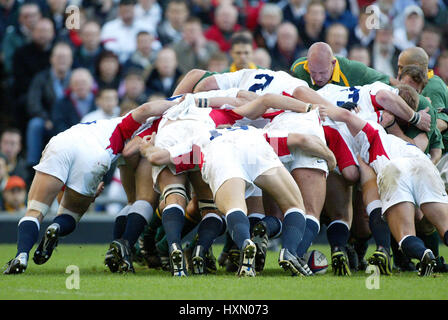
{"x":135,"y":224}
{"x":380,"y":229}
{"x":208,"y":230}
{"x":311,"y":231}
{"x":413,"y":247}
{"x":337,"y":234}
{"x":274,"y":225}
{"x":253,"y":220}
{"x":293,"y":229}
{"x":27,"y":234}
{"x":173,"y":221}
{"x":119,"y":226}
{"x":238,"y":226}
{"x":67,"y":224}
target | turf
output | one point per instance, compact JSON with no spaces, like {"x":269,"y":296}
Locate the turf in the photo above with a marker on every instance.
{"x":48,"y":281}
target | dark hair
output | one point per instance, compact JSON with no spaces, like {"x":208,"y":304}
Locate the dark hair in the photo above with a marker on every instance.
{"x":415,"y":73}
{"x":241,"y":38}
{"x":104,"y":55}
{"x":128,"y":2}
{"x":11,"y":130}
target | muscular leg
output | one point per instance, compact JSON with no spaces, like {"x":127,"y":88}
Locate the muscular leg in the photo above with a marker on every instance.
{"x":437,"y":214}
{"x":312,"y":184}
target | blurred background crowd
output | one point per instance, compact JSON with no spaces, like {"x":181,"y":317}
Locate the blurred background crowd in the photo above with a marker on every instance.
{"x":55,"y":73}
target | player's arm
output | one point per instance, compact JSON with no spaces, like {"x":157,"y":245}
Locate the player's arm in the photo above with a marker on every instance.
{"x":312,"y":145}
{"x":354,"y":123}
{"x":391,"y":126}
{"x":206,"y":84}
{"x":156,"y":155}
{"x":308,"y":95}
{"x":397,"y":106}
{"x":256,"y":108}
{"x":151,"y":109}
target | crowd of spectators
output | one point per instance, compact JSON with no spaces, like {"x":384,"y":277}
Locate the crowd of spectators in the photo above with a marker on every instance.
{"x":125,"y":52}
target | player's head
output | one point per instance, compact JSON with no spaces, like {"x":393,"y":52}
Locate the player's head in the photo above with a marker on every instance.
{"x":409,"y":95}
{"x":242,"y":50}
{"x":321,"y":62}
{"x":414,"y":55}
{"x":414,"y":76}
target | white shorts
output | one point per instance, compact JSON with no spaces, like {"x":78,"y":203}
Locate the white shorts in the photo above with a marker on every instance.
{"x":303,"y":123}
{"x":79,"y":163}
{"x":245,"y":157}
{"x":414,"y":180}
{"x":442,"y":166}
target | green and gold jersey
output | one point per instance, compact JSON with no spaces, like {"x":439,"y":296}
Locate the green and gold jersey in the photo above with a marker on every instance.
{"x":434,"y":135}
{"x":347,"y":73}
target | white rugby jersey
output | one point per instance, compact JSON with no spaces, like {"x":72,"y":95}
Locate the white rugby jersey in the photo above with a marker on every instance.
{"x":364,"y":96}
{"x":377,"y":148}
{"x":260,"y":81}
{"x":111,"y":134}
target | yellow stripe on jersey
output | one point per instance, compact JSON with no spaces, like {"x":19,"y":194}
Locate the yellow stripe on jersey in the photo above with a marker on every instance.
{"x":337,"y":72}
{"x":233,"y":67}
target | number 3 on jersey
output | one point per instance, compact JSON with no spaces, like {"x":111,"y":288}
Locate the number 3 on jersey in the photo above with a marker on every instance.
{"x":260,"y":86}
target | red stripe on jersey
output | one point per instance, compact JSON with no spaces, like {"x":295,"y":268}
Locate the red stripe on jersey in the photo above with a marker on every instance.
{"x":376,"y":148}
{"x":123,"y":131}
{"x":224,"y":116}
{"x":287,"y":94}
{"x":189,"y":161}
{"x":375,"y":104}
{"x":272,"y":115}
{"x":153,"y":128}
{"x":338,"y":146}
{"x":279,"y":144}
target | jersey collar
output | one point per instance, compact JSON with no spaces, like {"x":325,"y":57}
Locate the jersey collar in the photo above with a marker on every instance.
{"x":233,"y":67}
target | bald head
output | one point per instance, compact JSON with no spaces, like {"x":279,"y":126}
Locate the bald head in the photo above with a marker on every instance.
{"x":321,"y":62}
{"x":413,"y":56}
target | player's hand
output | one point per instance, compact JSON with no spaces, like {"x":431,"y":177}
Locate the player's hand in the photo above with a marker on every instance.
{"x":425,"y":120}
{"x":442,"y":110}
{"x":331,"y":162}
{"x":147,"y":144}
{"x":387,"y":119}
{"x":349,"y":106}
{"x":99,"y":189}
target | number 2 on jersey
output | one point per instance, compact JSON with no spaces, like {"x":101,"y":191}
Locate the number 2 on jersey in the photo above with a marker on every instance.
{"x":260,"y":86}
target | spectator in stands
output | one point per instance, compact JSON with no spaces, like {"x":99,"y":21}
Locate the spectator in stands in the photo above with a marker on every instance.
{"x":11,"y":146}
{"x":383,"y":51}
{"x":218,"y":62}
{"x":193,"y":50}
{"x":14,"y":196}
{"x":360,"y":53}
{"x":146,"y":53}
{"x":100,"y":10}
{"x":431,"y":41}
{"x":311,"y":26}
{"x":265,"y":34}
{"x":28,"y":61}
{"x":8,"y":15}
{"x":442,"y":66}
{"x":407,"y":36}
{"x":106,"y":106}
{"x":363,"y":34}
{"x":225,"y":25}
{"x":133,"y":88}
{"x":165,"y":75}
{"x":47,"y":86}
{"x":119,"y":35}
{"x":337,"y":12}
{"x":434,"y":13}
{"x":242,"y":52}
{"x":337,"y":38}
{"x":262,"y":58}
{"x":87,"y":54}
{"x":294,"y":10}
{"x":4,"y":176}
{"x":170,"y":30}
{"x":150,"y":12}
{"x":55,"y":11}
{"x":18,"y":35}
{"x":108,"y":71}
{"x":203,"y":9}
{"x":288,"y":48}
{"x":78,"y":102}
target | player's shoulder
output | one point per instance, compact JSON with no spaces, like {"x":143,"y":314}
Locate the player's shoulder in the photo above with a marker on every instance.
{"x":298,"y":64}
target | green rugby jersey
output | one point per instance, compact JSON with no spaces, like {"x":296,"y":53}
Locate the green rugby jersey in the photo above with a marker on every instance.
{"x":347,"y":73}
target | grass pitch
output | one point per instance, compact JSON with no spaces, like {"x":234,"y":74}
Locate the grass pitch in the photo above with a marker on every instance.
{"x":49,"y":281}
